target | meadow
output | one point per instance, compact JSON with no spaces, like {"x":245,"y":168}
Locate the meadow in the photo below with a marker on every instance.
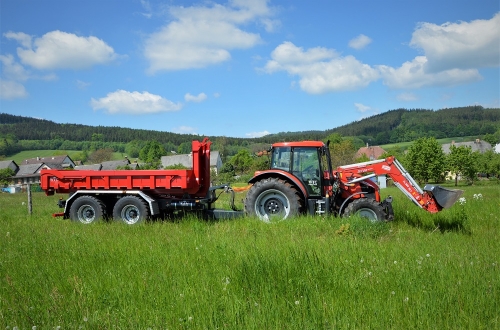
{"x":421,"y":271}
{"x":28,"y":154}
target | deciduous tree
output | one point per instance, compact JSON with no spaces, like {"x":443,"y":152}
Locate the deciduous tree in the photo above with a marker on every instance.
{"x":5,"y":175}
{"x":462,"y":162}
{"x":242,"y":161}
{"x":152,"y":152}
{"x":426,"y":160}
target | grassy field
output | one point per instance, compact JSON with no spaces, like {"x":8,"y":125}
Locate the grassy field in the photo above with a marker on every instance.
{"x":421,"y":271}
{"x":406,"y":145}
{"x":20,"y":156}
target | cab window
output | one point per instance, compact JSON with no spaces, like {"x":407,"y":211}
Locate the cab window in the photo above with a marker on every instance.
{"x":306,"y":166}
{"x":281,"y":158}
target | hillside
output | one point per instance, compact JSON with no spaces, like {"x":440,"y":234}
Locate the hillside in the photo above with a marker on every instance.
{"x":401,"y":125}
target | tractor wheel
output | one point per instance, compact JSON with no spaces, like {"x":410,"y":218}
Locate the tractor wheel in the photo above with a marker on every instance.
{"x":87,"y":209}
{"x":272,"y":200}
{"x":131,"y":210}
{"x":366,"y":208}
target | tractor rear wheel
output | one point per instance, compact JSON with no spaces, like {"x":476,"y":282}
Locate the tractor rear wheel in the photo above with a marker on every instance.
{"x":366,"y":208}
{"x":272,"y":200}
{"x":87,"y":209}
{"x":131,"y":210}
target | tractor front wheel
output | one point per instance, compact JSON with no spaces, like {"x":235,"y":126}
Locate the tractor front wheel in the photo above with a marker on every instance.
{"x":272,"y":200}
{"x":366,"y":208}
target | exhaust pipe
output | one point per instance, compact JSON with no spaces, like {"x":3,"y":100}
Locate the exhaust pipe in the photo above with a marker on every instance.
{"x":444,"y":197}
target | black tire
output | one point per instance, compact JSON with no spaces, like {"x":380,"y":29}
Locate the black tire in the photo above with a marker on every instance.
{"x":131,"y":210}
{"x":87,"y":209}
{"x":272,"y":200}
{"x":366,"y":208}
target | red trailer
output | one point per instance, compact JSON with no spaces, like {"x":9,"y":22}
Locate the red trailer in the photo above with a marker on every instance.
{"x":133,"y":196}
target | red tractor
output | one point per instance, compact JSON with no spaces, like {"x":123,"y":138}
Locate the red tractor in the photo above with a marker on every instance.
{"x":301,"y":180}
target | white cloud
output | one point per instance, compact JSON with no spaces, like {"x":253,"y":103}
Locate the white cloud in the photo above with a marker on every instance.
{"x":201,"y":36}
{"x":257,"y":134}
{"x":321,"y":70}
{"x":195,"y":98}
{"x":82,"y":84}
{"x":407,"y":97}
{"x":360,"y":42}
{"x":462,"y":45}
{"x":14,"y":74}
{"x":10,"y":90}
{"x":61,"y":50}
{"x":270,"y":25}
{"x":23,"y":38}
{"x":13,"y":70}
{"x":134,"y":103}
{"x":147,"y":7}
{"x":362,"y":108}
{"x":413,"y":75}
{"x":185,"y":130}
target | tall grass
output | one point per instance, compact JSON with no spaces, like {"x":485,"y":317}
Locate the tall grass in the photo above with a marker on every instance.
{"x":421,"y":271}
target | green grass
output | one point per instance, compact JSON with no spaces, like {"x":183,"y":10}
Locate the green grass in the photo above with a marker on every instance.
{"x":406,"y":145}
{"x":21,"y":156}
{"x":422,"y":271}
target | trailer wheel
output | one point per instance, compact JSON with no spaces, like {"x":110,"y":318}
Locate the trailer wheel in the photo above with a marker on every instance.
{"x":87,"y":209}
{"x":272,"y":200}
{"x":131,"y":210}
{"x":366,"y":208}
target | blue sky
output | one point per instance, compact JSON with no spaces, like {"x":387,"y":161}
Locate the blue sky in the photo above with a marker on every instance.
{"x":244,"y":68}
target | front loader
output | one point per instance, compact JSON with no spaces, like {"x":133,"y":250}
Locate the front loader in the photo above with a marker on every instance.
{"x":301,"y":180}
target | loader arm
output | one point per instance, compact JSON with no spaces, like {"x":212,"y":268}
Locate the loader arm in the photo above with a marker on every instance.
{"x":431,"y":198}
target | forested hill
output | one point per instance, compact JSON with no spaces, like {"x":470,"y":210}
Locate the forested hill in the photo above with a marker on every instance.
{"x":407,"y":125}
{"x":389,"y":127}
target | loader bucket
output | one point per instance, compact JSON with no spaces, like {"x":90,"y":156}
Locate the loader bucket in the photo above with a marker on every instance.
{"x":444,"y":197}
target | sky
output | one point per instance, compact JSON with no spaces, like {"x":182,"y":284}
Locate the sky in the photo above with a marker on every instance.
{"x":244,"y":68}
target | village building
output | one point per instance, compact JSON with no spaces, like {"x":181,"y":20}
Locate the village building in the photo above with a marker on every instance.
{"x":186,"y":160}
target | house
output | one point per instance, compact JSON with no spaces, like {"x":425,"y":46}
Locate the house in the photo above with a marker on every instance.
{"x":28,"y":173}
{"x":9,"y":164}
{"x":115,"y":164}
{"x":64,"y":160}
{"x":94,"y":167}
{"x":372,"y":152}
{"x":477,"y":145}
{"x":187,"y":161}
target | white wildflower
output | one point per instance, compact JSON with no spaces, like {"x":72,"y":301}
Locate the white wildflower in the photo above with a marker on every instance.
{"x":406,"y":299}
{"x":427,"y":255}
{"x":462,"y":200}
{"x":393,"y":293}
{"x":478,"y":196}
{"x":297,"y":302}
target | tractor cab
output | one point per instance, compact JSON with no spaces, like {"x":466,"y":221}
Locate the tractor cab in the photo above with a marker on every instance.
{"x":308,"y":161}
